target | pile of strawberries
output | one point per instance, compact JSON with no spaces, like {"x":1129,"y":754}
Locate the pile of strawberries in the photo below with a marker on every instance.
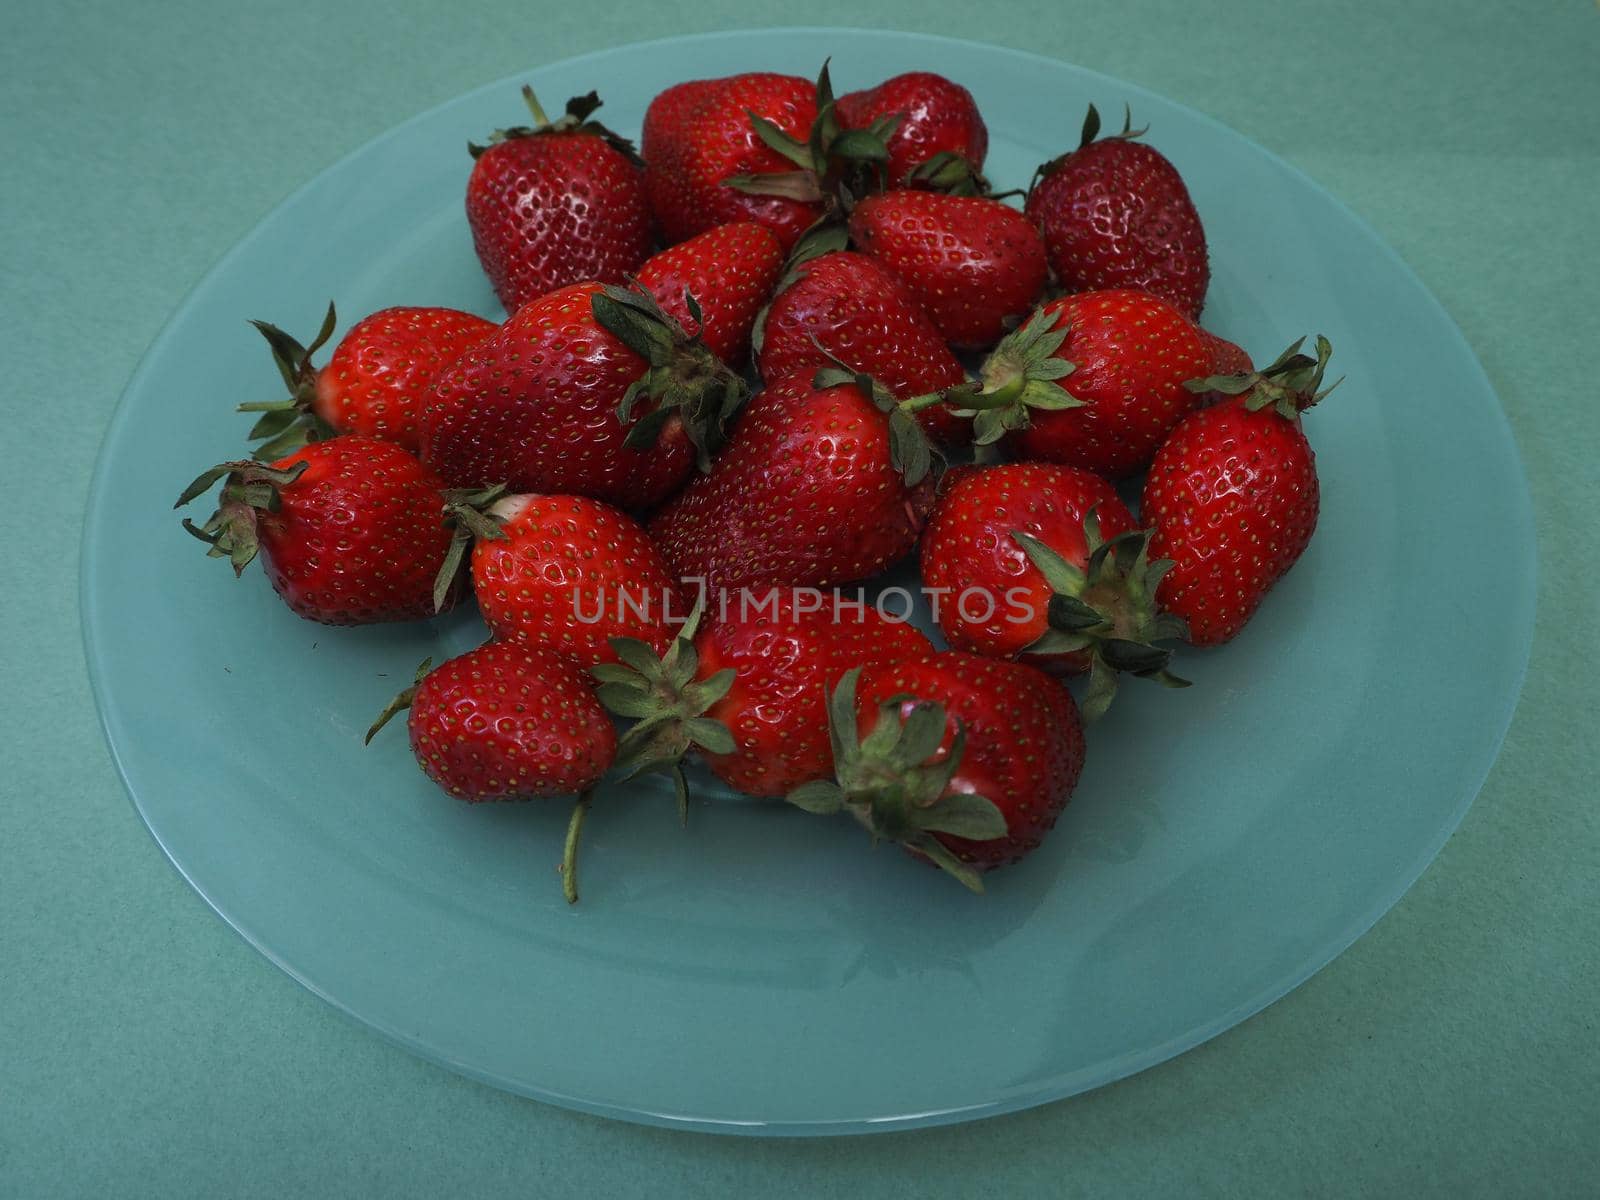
{"x":651,"y":535}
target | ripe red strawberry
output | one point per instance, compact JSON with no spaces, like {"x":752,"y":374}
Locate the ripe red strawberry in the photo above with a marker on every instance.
{"x":1046,"y":561}
{"x":755,"y":147}
{"x":965,"y":761}
{"x":974,"y":265}
{"x":1232,"y":496}
{"x":845,"y":307}
{"x":761,"y":673}
{"x":351,"y":530}
{"x":700,"y":134}
{"x":570,"y":573}
{"x":509,"y":721}
{"x":1094,"y":380}
{"x":818,"y":485}
{"x":730,"y":271}
{"x":588,"y":391}
{"x":374,"y":382}
{"x":939,"y":128}
{"x":1115,"y":214}
{"x":561,"y":202}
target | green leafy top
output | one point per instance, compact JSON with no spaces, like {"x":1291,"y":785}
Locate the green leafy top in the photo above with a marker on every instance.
{"x":471,"y":518}
{"x":894,"y":783}
{"x":287,"y":425}
{"x":833,"y":164}
{"x":574,"y":120}
{"x":1021,"y":374}
{"x":910,"y":451}
{"x":682,"y":377}
{"x":1290,"y":385}
{"x":1107,"y":609}
{"x":667,"y":702}
{"x":249,"y":488}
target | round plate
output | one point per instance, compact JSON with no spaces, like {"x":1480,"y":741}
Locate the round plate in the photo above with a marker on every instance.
{"x":765,"y":971}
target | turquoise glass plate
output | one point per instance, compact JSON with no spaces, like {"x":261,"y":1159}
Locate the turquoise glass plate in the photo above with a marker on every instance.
{"x":765,"y":971}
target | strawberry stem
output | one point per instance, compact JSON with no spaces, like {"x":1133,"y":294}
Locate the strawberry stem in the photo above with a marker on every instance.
{"x":569,"y":852}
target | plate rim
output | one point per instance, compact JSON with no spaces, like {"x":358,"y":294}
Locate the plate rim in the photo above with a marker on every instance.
{"x":1521,"y":511}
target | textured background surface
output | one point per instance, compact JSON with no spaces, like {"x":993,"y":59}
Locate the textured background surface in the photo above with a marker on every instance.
{"x":145,"y":1050}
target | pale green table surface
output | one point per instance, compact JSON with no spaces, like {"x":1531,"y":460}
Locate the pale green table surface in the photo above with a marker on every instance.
{"x":145,"y":1050}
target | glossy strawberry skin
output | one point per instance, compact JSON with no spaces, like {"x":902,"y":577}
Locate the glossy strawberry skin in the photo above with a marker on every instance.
{"x":570,"y":574}
{"x":730,"y":270}
{"x":374,"y":382}
{"x":1133,"y":353}
{"x":849,"y":306}
{"x":968,"y":548}
{"x":535,"y":407}
{"x":1024,"y":747}
{"x":1233,"y":498}
{"x":510,"y":721}
{"x":552,"y":209}
{"x":1116,"y":214}
{"x":698,"y":134}
{"x":972,"y":264}
{"x":359,"y":537}
{"x":937,"y":116}
{"x":787,"y":658}
{"x":803,"y":495}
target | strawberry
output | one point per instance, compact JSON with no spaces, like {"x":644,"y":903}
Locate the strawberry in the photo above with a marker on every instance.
{"x":1232,"y":496}
{"x":1094,"y":380}
{"x":509,"y":721}
{"x":845,"y":307}
{"x":373,"y":383}
{"x":1116,"y":214}
{"x":351,"y":530}
{"x":965,"y":761}
{"x":569,"y":573}
{"x":821,"y":482}
{"x":939,"y":135}
{"x":590,"y":391}
{"x":974,"y":265}
{"x":558,"y":203}
{"x":755,"y":147}
{"x":760,"y":672}
{"x":1046,"y":561}
{"x":730,"y":272}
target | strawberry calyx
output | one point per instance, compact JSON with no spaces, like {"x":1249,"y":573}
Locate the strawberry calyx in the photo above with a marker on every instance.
{"x":1021,"y":374}
{"x":1107,"y":610}
{"x":400,"y":703}
{"x":832,"y":165}
{"x":250,"y":488}
{"x":1289,"y":385}
{"x":289,"y":424}
{"x":950,"y":173}
{"x":682,"y":378}
{"x":574,"y":121}
{"x":910,"y":452}
{"x":473,"y":514}
{"x":895,"y":782}
{"x":667,"y":703}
